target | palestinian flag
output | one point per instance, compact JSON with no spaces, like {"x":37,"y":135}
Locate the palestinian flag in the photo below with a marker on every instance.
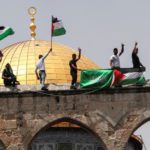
{"x":5,"y":31}
{"x":57,"y":27}
{"x":131,"y":78}
{"x":104,"y":79}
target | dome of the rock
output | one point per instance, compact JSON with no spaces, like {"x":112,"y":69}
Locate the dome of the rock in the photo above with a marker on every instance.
{"x":23,"y":57}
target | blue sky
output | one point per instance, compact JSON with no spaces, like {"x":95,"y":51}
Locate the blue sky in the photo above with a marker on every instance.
{"x":96,"y":26}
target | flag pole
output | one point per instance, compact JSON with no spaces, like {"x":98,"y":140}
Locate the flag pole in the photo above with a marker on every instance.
{"x":51,"y":30}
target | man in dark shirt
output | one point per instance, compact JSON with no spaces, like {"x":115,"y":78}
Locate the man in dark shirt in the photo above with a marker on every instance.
{"x":135,"y":59}
{"x":73,"y":69}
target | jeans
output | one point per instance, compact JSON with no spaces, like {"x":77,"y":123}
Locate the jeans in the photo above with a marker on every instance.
{"x":42,"y":76}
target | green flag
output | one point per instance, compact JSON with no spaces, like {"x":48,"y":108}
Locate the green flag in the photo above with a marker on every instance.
{"x":5,"y":31}
{"x":96,"y":78}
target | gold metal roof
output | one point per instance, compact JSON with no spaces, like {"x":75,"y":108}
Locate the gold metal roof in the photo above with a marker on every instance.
{"x":23,"y":57}
{"x":66,"y":125}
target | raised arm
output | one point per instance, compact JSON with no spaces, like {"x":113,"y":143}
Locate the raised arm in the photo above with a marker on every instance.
{"x":50,"y":50}
{"x":122,"y":49}
{"x":135,"y":47}
{"x":79,"y":56}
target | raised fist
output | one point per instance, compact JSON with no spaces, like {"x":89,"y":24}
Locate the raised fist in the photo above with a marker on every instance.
{"x":122,"y":45}
{"x":79,"y":49}
{"x":136,"y":43}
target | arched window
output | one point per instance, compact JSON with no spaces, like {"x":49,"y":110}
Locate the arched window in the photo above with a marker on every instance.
{"x":143,"y":131}
{"x":66,"y":135}
{"x":140,"y":138}
{"x":134,"y":143}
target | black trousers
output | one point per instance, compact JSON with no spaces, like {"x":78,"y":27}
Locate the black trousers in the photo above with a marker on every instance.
{"x":10,"y":82}
{"x":74,"y":78}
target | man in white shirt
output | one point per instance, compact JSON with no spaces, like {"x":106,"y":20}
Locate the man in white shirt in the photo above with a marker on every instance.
{"x":114,"y":59}
{"x":41,"y":67}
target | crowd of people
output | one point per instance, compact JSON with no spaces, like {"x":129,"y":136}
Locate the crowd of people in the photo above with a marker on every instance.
{"x":10,"y":79}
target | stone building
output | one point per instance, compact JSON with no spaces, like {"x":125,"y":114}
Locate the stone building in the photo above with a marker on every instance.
{"x":64,"y":119}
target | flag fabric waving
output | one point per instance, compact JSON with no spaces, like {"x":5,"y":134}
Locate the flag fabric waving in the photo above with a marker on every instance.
{"x":131,"y":78}
{"x":5,"y":31}
{"x":96,"y":78}
{"x":103,"y":79}
{"x":57,"y":27}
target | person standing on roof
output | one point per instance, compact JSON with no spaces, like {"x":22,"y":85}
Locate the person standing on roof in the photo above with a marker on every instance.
{"x":135,"y":59}
{"x":114,"y":59}
{"x":74,"y":69}
{"x":41,"y":67}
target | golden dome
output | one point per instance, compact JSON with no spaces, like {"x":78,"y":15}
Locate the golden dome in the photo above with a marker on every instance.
{"x":23,"y":57}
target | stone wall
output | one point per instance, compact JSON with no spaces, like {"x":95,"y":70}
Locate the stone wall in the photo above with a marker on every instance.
{"x":112,"y":115}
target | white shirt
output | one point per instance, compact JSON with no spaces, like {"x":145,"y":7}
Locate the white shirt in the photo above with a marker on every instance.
{"x":40,"y":64}
{"x":115,"y":61}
